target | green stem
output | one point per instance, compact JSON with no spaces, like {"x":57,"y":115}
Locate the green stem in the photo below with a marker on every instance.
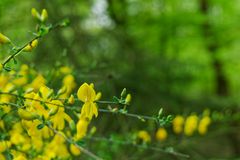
{"x":109,"y":140}
{"x":141,"y":117}
{"x":18,"y":52}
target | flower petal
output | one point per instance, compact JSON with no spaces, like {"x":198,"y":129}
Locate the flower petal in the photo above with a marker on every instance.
{"x":86,"y":93}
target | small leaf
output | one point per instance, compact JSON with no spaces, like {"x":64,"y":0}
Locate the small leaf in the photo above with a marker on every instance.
{"x":80,"y":143}
{"x":116,"y":99}
{"x":160,"y":112}
{"x":64,"y":23}
{"x":15,"y":61}
{"x":7,"y":68}
{"x":40,"y":126}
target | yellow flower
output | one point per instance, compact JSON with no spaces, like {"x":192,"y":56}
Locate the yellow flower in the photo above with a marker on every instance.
{"x":59,"y":118}
{"x":68,"y":86}
{"x":33,"y":44}
{"x":20,"y":157}
{"x":190,"y":125}
{"x":65,"y":70}
{"x":4,"y":39}
{"x":2,"y":157}
{"x":26,"y":115}
{"x":144,"y":136}
{"x":87,"y":95}
{"x":203,"y":125}
{"x":178,"y":122}
{"x":4,"y":145}
{"x":82,"y":126}
{"x":56,"y":149}
{"x":37,"y":82}
{"x":45,"y":92}
{"x":161,"y":134}
{"x":74,"y":150}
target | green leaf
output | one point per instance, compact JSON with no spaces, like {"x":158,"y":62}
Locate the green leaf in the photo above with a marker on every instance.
{"x":64,"y":23}
{"x":40,"y":126}
{"x":15,"y":61}
{"x":80,"y":143}
{"x":7,"y":68}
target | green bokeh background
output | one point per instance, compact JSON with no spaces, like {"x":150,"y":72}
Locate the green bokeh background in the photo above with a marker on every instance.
{"x":181,"y":55}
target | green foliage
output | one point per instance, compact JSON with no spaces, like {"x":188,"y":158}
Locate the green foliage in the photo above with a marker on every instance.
{"x":174,"y":54}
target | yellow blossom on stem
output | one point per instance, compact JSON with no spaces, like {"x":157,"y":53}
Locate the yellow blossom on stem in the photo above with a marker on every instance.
{"x":144,"y":136}
{"x":82,"y":126}
{"x":71,"y":99}
{"x":87,"y":94}
{"x":33,"y":44}
{"x":128,"y":98}
{"x":161,"y":134}
{"x":74,"y":150}
{"x":203,"y":125}
{"x":178,"y":122}
{"x":190,"y":125}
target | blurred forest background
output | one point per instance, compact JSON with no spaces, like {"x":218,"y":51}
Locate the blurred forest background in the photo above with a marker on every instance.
{"x":181,"y":55}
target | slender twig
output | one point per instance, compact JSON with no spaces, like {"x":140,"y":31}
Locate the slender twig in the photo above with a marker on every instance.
{"x":141,"y":117}
{"x":109,"y":140}
{"x":87,"y":152}
{"x":18,"y":51}
{"x":128,"y":114}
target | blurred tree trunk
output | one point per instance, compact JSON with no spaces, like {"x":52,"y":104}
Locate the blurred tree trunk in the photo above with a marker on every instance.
{"x":222,"y":86}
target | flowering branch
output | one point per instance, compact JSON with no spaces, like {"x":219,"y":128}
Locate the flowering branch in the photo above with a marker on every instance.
{"x":70,"y":141}
{"x":143,"y":118}
{"x":42,"y":32}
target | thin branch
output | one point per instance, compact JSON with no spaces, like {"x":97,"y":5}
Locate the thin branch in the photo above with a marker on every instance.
{"x":18,"y":51}
{"x":109,"y":140}
{"x":141,"y":117}
{"x":87,"y":152}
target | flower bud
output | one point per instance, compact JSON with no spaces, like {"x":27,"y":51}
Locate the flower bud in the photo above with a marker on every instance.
{"x":123,"y":93}
{"x":31,"y":46}
{"x":35,"y":13}
{"x":74,"y":150}
{"x":98,"y":96}
{"x":128,"y":98}
{"x":53,"y":110}
{"x":71,"y":99}
{"x":44,"y":15}
{"x":4,"y":39}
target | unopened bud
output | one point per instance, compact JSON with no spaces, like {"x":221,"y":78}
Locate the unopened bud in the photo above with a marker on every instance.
{"x":31,"y":46}
{"x":4,"y":39}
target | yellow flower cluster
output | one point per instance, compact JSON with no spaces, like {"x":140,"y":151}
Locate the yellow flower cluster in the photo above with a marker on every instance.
{"x":160,"y":135}
{"x":191,"y":124}
{"x":38,"y":112}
